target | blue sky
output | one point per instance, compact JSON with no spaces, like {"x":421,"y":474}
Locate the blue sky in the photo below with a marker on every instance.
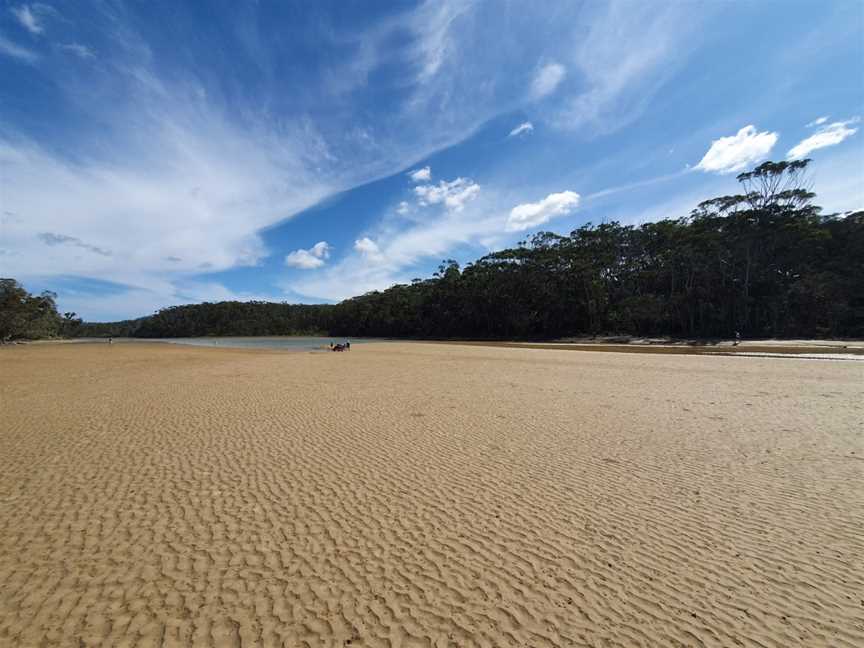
{"x":161,"y":153}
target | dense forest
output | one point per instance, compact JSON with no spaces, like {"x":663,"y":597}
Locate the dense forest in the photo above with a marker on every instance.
{"x":763,"y":262}
{"x":231,"y":318}
{"x":26,"y":316}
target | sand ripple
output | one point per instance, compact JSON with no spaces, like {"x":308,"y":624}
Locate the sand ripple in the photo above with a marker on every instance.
{"x":428,"y":496}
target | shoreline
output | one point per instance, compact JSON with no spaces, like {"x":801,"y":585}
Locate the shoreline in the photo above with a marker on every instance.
{"x":750,"y":349}
{"x":806,"y":349}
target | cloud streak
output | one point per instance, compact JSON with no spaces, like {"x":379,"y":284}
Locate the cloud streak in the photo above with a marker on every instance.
{"x":829,"y":135}
{"x":28,"y":19}
{"x":51,"y":239}
{"x":817,"y":122}
{"x":9,"y":48}
{"x":522,"y":129}
{"x":617,"y":82}
{"x":81,"y":51}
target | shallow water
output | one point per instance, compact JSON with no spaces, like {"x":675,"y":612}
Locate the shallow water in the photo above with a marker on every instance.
{"x":287,"y":343}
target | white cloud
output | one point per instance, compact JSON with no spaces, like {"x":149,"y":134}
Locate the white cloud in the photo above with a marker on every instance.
{"x":16,"y":51}
{"x":421,"y":175}
{"x":529,"y":215}
{"x":453,"y":194}
{"x":817,"y":122}
{"x":403,"y":208}
{"x":81,"y":51}
{"x":547,"y":79}
{"x":368,"y":249}
{"x":28,"y":19}
{"x":523,"y":128}
{"x":826,"y":136}
{"x":314,"y":257}
{"x":321,"y":249}
{"x":737,"y":152}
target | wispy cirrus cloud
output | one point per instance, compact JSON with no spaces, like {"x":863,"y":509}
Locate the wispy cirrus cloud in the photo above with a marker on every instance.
{"x":547,"y":79}
{"x":522,"y":129}
{"x":828,"y":135}
{"x":27,"y":16}
{"x":16,"y":51}
{"x":737,"y":152}
{"x":618,"y":81}
{"x":79,"y":50}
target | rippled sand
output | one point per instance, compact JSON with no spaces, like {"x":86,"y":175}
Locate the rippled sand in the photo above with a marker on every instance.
{"x":428,"y":495}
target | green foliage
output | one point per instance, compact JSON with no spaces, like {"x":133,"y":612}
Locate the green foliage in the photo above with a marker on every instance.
{"x":222,"y":318}
{"x":26,"y":316}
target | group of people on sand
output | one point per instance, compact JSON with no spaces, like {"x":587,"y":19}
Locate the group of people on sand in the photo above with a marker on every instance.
{"x":341,"y":347}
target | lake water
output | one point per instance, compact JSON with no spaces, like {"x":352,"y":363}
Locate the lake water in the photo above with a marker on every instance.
{"x":287,"y":343}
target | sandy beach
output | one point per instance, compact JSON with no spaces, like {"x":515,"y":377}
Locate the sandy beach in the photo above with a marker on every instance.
{"x":424,"y":495}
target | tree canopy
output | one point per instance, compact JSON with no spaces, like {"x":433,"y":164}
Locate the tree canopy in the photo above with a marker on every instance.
{"x":26,"y":316}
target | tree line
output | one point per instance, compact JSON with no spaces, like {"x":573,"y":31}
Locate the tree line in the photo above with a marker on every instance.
{"x":763,"y":262}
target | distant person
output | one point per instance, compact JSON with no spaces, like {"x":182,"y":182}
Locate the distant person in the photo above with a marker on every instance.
{"x":110,"y":340}
{"x":347,"y":345}
{"x":737,"y":338}
{"x":331,"y":345}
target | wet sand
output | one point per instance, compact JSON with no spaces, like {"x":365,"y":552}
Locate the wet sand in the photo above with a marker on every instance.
{"x":428,"y":495}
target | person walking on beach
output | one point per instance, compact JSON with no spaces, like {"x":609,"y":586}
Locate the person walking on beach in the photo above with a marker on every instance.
{"x":347,"y":345}
{"x":737,"y":338}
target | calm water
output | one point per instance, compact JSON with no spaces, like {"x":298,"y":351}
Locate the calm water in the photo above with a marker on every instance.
{"x":286,"y":343}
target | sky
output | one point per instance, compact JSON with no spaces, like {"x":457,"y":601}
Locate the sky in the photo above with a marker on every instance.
{"x":162,"y":153}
